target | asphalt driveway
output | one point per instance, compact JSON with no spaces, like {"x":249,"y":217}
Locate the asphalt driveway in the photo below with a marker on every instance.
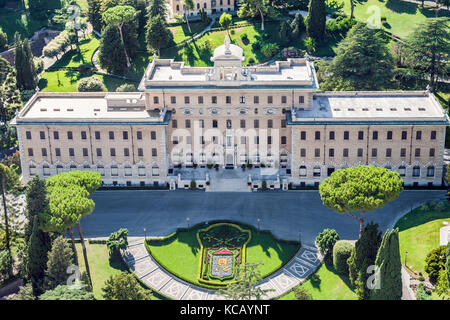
{"x":289,"y":215}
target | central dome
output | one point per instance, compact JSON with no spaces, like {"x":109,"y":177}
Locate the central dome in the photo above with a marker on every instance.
{"x":228,"y":52}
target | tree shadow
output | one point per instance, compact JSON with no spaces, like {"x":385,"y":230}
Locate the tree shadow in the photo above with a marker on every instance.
{"x":42,"y":83}
{"x":344,"y":279}
{"x":402,"y":6}
{"x":418,"y":217}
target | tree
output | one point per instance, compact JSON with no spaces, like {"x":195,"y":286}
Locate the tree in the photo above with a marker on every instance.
{"x":124,"y":286}
{"x":37,"y":257}
{"x":300,"y":293}
{"x":94,"y":14}
{"x":435,"y":262}
{"x":126,"y":87}
{"x":316,"y":19}
{"x":360,"y":188}
{"x":26,"y":76}
{"x":63,"y":292}
{"x":285,"y":32}
{"x":341,"y":252}
{"x":8,"y":181}
{"x":6,"y":264}
{"x":58,"y":45}
{"x":188,"y":5}
{"x":226,"y":20}
{"x":252,"y":8}
{"x":389,"y":273}
{"x":427,"y":49}
{"x":36,"y":202}
{"x":59,"y":259}
{"x":442,"y":286}
{"x":3,"y":40}
{"x":10,"y":101}
{"x":297,"y":26}
{"x":326,"y":241}
{"x":157,"y":7}
{"x":363,"y":256}
{"x":117,"y":241}
{"x":363,"y":62}
{"x":247,"y":277}
{"x":447,"y":262}
{"x":118,"y":16}
{"x":25,"y":293}
{"x":91,"y":84}
{"x":111,"y":54}
{"x":69,"y":203}
{"x":158,"y":34}
{"x":37,"y":8}
{"x":310,"y":44}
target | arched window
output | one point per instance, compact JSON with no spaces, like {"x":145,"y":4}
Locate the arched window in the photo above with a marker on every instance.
{"x":101,"y":170}
{"x":155,"y":171}
{"x":178,"y":7}
{"x":302,"y":171}
{"x":86,"y":167}
{"x":73,"y":167}
{"x":114,"y":171}
{"x":141,"y":171}
{"x":32,"y":169}
{"x":316,"y":171}
{"x":59,"y":168}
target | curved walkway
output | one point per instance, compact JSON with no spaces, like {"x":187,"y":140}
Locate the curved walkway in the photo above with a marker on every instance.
{"x":154,"y":276}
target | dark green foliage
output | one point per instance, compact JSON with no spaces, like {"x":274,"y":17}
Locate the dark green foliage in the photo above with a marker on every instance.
{"x":36,"y":199}
{"x":3,"y":40}
{"x":37,"y":8}
{"x":157,"y":7}
{"x":126,"y":87}
{"x":341,"y":252}
{"x":364,"y":255}
{"x":389,"y":268}
{"x":91,"y":84}
{"x":26,"y":76}
{"x":363,"y":62}
{"x":339,"y":26}
{"x":447,"y":263}
{"x":63,"y":292}
{"x":158,"y":34}
{"x":25,"y":293}
{"x":298,"y":27}
{"x":422,"y":293}
{"x":325,"y":241}
{"x":6,"y":265}
{"x":59,"y":259}
{"x":301,"y":294}
{"x":117,"y":241}
{"x":285,"y":32}
{"x":37,"y":257}
{"x":111,"y":54}
{"x":434,"y":262}
{"x":86,"y":282}
{"x":124,"y":286}
{"x":10,"y":100}
{"x":95,"y":14}
{"x":315,"y":21}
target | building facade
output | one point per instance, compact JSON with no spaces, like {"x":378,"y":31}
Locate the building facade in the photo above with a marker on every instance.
{"x":176,"y":7}
{"x":273,"y":118}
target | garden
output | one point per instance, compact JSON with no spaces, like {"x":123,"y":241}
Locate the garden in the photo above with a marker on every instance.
{"x":208,"y":255}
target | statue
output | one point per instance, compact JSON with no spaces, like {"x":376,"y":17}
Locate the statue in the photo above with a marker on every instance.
{"x":227,"y":45}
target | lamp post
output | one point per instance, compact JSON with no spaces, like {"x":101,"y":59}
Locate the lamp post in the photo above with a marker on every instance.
{"x":406,"y":254}
{"x":187,"y":221}
{"x":145,"y":234}
{"x":259,"y":229}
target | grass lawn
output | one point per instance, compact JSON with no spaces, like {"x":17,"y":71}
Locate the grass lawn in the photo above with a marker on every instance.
{"x":419,"y":234}
{"x":180,"y":255}
{"x":329,"y":286}
{"x":402,"y":17}
{"x":181,"y":32}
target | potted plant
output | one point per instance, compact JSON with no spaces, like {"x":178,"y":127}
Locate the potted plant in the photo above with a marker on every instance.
{"x":263,"y":165}
{"x":243,"y":167}
{"x":195,"y":165}
{"x":249,"y":165}
{"x":216,"y":166}
{"x":179,"y":166}
{"x":209,"y":165}
{"x":264,"y":185}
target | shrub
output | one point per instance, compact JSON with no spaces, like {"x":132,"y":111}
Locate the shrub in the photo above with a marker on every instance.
{"x":425,"y":207}
{"x":269,"y":50}
{"x":251,"y":61}
{"x":38,"y":65}
{"x":126,"y":87}
{"x":422,"y":293}
{"x":85,"y":69}
{"x":325,"y":241}
{"x":264,"y":185}
{"x":341,"y":252}
{"x":256,"y":46}
{"x":434,"y":262}
{"x":6,"y":264}
{"x":193,"y":185}
{"x":91,"y":84}
{"x":440,"y":206}
{"x":117,"y":241}
{"x":310,"y":44}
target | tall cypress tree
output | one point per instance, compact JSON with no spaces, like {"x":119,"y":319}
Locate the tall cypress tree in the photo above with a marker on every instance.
{"x":26,"y":75}
{"x":36,"y":199}
{"x":363,"y":256}
{"x":158,"y":34}
{"x":59,"y":259}
{"x":157,"y":7}
{"x":95,"y":14}
{"x":37,"y":257}
{"x":315,"y":22}
{"x":111,"y":55}
{"x":390,"y":268}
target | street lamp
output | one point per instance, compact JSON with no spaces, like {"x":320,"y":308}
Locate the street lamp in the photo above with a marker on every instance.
{"x":145,"y":234}
{"x":406,"y":254}
{"x":258,"y":224}
{"x":187,"y":220}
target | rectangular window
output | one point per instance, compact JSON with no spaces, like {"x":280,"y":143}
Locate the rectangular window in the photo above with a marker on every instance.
{"x":389,"y":135}
{"x":140,"y":152}
{"x":56,"y":135}
{"x":257,"y":140}
{"x":346,"y":135}
{"x":44,"y":152}
{"x":375,"y":135}
{"x":432,"y":152}
{"x":69,"y":135}
{"x":126,"y":152}
{"x":214,"y":99}
{"x":28,"y":135}
{"x":331,"y":135}
{"x":173,"y":100}
{"x":303,"y":135}
{"x":155,"y":100}
{"x":283,"y":99}
{"x":269,"y":123}
{"x":112,"y":152}
{"x":360,"y":135}
{"x":202,"y":140}
{"x":175,"y":140}
{"x":58,"y":152}
{"x":256,"y":99}
{"x":97,"y":135}
{"x":228,"y":99}
{"x":153,"y":135}
{"x":30,"y":152}
{"x":404,"y":135}
{"x":403,"y":152}
{"x":200,"y":99}
{"x":317,"y":152}
{"x":139,"y":135}
{"x":99,"y":152}
{"x":283,"y":123}
{"x":301,"y":99}
{"x":374,"y":152}
{"x":71,"y":152}
{"x":430,"y":172}
{"x":154,"y":152}
{"x":345,"y":153}
{"x":433,"y":135}
{"x":269,"y":140}
{"x":188,"y":140}
{"x":360,"y":152}
{"x":242,"y":123}
{"x":187,"y":100}
{"x":269,"y":99}
{"x":388,"y":152}
{"x":302,"y":152}
{"x":419,"y":135}
{"x":125,"y":135}
{"x":243,"y":139}
{"x":111,"y":135}
{"x":331,"y":152}
{"x":417,"y":152}
{"x":283,"y":139}
{"x":317,"y":135}
{"x":42,"y":135}
{"x":188,"y":123}
{"x":85,"y":152}
{"x":83,"y":135}
{"x":256,"y":123}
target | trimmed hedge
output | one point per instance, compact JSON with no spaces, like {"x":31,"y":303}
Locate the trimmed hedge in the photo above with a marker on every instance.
{"x":341,"y":252}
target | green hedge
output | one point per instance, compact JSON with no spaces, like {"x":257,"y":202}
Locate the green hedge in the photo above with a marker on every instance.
{"x":341,"y":252}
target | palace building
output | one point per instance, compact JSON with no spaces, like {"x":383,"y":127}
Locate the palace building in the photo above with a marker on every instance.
{"x":176,"y":7}
{"x":272,"y":118}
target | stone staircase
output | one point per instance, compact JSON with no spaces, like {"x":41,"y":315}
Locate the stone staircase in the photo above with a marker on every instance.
{"x":228,"y":185}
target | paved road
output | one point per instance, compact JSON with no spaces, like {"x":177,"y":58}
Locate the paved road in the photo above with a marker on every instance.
{"x":284,"y":213}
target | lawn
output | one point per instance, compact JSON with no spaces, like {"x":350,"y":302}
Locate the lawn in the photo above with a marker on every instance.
{"x":181,"y":253}
{"x":329,"y":286}
{"x":402,"y":17}
{"x":419,"y":234}
{"x":181,"y":32}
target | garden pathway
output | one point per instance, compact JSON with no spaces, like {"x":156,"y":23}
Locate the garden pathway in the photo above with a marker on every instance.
{"x":153,"y":275}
